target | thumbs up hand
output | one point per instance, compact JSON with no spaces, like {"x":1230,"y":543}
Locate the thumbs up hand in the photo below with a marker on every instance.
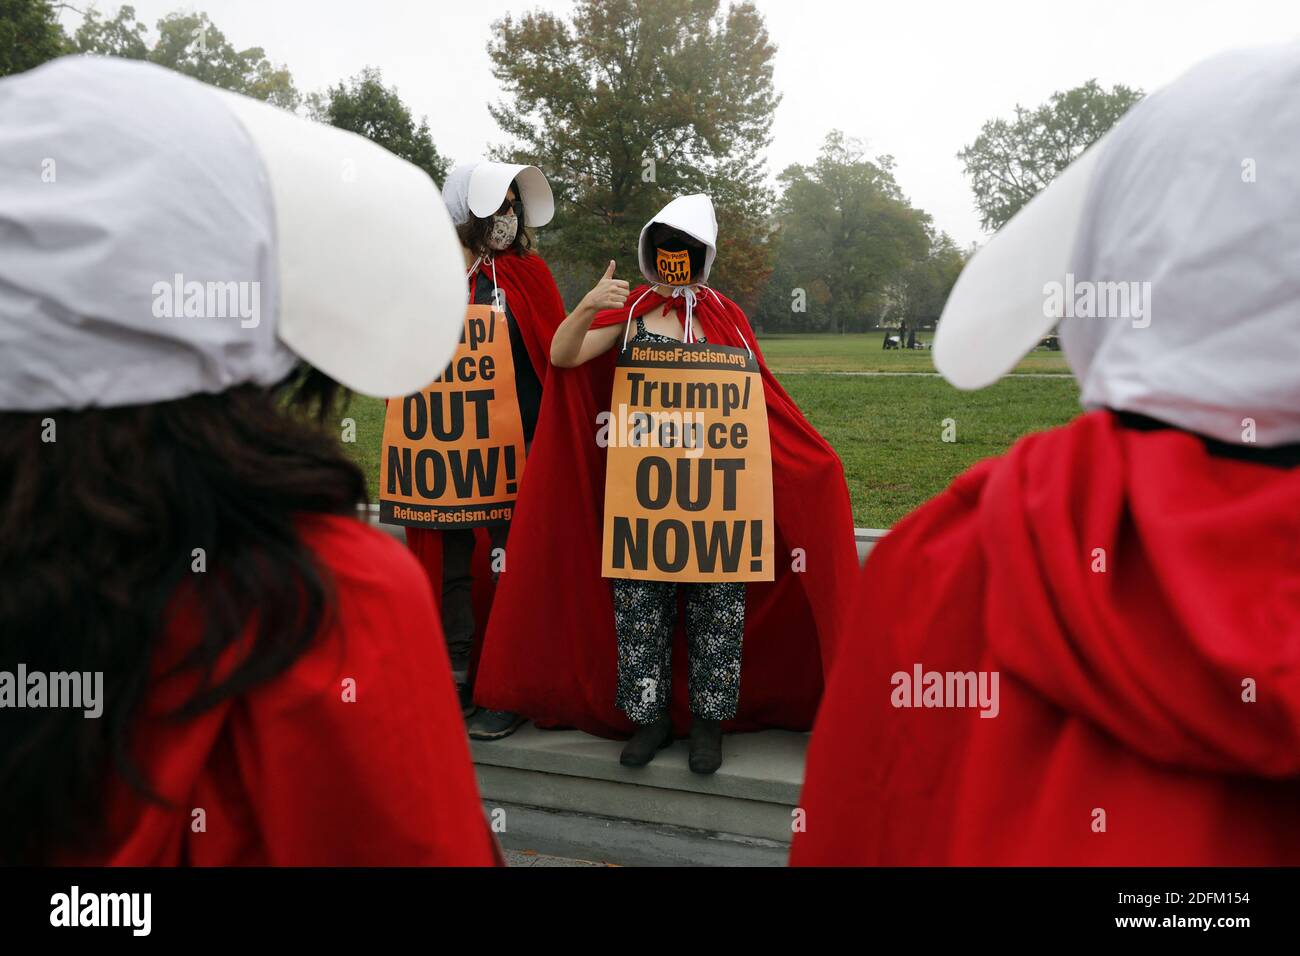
{"x":608,"y":292}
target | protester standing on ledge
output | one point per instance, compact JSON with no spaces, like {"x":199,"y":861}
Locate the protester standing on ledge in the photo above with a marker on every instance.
{"x":493,"y":205}
{"x":569,"y":649}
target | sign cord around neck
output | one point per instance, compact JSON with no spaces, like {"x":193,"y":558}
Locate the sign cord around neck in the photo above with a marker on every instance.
{"x":496,"y":290}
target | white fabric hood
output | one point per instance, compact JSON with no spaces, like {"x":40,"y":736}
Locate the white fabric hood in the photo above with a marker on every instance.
{"x":1187,"y":212}
{"x":478,"y":189}
{"x":694,"y":216}
{"x":162,"y":238}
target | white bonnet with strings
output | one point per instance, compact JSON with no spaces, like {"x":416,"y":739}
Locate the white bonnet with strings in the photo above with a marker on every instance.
{"x":478,"y":189}
{"x":161,"y":238}
{"x":692,"y":215}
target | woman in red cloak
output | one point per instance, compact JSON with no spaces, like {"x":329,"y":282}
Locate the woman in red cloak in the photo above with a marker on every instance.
{"x":180,"y":541}
{"x":492,"y":204}
{"x":552,"y":648}
{"x":1103,"y":668}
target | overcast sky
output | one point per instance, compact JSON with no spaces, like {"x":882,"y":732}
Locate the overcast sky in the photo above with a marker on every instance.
{"x":915,"y":79}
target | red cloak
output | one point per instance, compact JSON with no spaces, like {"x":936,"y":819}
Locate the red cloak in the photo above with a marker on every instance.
{"x":291,"y":774}
{"x":1120,"y":690}
{"x":550,"y":649}
{"x":534,"y":301}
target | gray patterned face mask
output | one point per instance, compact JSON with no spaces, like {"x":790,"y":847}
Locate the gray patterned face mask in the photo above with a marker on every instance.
{"x":504,"y":230}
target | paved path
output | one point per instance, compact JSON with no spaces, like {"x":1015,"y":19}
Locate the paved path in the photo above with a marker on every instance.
{"x":533,"y":858}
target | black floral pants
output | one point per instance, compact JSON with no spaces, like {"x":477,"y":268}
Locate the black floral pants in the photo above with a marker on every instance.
{"x":645,"y":616}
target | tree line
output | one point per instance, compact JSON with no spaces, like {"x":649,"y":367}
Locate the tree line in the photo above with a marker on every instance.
{"x":627,"y":103}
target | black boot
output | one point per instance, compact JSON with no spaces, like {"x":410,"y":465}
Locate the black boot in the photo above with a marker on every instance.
{"x":494,"y":724}
{"x":648,"y":740}
{"x":706,"y":745}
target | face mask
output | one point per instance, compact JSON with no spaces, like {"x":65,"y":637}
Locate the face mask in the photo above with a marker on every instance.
{"x":504,"y":230}
{"x":673,"y":266}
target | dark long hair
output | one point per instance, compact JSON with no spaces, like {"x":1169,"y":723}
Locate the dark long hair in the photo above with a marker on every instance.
{"x":474,"y":233}
{"x":97,"y":535}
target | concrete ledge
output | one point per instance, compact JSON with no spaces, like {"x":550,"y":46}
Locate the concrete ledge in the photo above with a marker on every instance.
{"x":646,"y":805}
{"x":752,"y":796}
{"x":766,"y":766}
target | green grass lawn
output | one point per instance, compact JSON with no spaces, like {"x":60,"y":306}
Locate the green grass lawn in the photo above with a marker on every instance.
{"x":887,"y":430}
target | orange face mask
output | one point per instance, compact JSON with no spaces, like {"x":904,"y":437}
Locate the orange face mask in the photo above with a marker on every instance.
{"x":674,"y":267}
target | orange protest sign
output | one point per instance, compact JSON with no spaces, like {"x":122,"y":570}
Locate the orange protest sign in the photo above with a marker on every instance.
{"x":688,"y":475}
{"x":674,"y":267}
{"x":453,"y":452}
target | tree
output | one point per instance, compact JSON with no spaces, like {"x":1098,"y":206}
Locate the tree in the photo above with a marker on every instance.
{"x":920,"y":291}
{"x":364,"y":105}
{"x":122,"y":36}
{"x":845,"y":234}
{"x":191,"y":44}
{"x":29,"y":35}
{"x":632,"y":102}
{"x":1011,"y":160}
